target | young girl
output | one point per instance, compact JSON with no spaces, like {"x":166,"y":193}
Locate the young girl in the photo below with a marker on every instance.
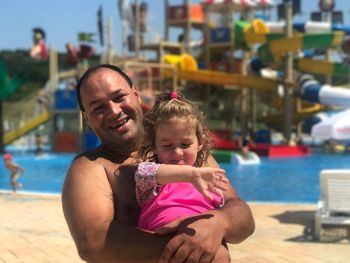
{"x":174,"y":182}
{"x":15,"y":171}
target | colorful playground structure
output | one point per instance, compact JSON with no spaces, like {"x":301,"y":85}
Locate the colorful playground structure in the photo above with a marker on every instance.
{"x":247,"y":74}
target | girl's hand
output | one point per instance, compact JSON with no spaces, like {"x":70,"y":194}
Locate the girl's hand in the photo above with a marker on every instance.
{"x":207,"y":179}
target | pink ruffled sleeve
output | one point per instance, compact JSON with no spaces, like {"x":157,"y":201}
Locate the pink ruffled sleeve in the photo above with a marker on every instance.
{"x":146,"y":185}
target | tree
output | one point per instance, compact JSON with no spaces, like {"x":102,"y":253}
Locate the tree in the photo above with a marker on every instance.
{"x":7,"y":88}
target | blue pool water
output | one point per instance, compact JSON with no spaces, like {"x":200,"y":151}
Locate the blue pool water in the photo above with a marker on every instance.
{"x":42,"y":173}
{"x":294,"y":179}
{"x":274,"y":180}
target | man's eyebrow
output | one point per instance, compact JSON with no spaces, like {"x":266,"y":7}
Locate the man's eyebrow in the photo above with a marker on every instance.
{"x":92,"y":103}
{"x":110,"y":95}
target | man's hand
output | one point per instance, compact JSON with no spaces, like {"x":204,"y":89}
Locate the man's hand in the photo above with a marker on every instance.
{"x":197,"y":240}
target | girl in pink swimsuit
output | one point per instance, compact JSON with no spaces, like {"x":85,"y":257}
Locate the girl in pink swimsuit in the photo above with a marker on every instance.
{"x":176,"y":181}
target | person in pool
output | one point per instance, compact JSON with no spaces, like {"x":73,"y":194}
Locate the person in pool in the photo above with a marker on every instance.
{"x":15,"y":170}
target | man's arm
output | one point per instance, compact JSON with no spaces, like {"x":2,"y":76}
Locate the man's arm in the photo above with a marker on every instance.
{"x":199,"y":237}
{"x":88,"y":206}
{"x":236,"y":213}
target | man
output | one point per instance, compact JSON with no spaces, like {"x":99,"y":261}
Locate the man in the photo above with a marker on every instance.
{"x":98,"y":196}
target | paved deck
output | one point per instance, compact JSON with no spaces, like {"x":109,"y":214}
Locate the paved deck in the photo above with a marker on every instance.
{"x":32,"y":229}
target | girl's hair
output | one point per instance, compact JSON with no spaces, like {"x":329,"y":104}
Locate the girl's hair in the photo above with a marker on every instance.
{"x":168,"y":107}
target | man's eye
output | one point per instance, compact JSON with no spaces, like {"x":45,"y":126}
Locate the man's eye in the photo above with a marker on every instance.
{"x":119,"y":98}
{"x":97,"y":109}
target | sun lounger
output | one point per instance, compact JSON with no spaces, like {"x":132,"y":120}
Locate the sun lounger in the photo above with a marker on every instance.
{"x":334,"y":204}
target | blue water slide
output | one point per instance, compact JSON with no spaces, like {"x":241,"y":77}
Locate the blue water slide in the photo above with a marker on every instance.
{"x":308,"y":27}
{"x":311,"y":90}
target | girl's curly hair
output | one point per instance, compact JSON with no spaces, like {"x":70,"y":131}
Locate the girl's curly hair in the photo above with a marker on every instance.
{"x":169,"y":107}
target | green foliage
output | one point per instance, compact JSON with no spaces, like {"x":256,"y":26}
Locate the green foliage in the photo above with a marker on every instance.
{"x":19,"y":63}
{"x":86,"y":37}
{"x":8,"y":84}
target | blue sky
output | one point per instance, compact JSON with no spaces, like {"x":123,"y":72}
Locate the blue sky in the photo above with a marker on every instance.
{"x":63,"y":19}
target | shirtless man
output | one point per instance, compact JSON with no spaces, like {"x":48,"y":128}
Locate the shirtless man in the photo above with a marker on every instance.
{"x":98,"y":196}
{"x":15,"y":170}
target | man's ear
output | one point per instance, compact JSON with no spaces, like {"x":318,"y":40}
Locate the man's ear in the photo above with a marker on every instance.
{"x":85,"y":118}
{"x":137,"y":94}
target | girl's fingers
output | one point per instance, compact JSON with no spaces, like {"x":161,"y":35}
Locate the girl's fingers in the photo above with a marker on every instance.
{"x":218,"y":186}
{"x":221,"y":178}
{"x":208,"y":195}
{"x":217,"y":191}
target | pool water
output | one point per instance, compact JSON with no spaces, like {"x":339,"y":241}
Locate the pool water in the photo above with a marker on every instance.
{"x":43,"y":173}
{"x":274,"y":180}
{"x":294,"y":179}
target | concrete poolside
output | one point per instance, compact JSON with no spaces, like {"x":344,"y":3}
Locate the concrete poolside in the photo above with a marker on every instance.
{"x":33,"y":229}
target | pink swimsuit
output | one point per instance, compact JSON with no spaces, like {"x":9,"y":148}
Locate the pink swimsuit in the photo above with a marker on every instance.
{"x":162,"y":204}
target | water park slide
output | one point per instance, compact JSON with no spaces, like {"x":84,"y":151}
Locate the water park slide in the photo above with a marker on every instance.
{"x":321,"y":67}
{"x":323,"y":95}
{"x":316,"y":35}
{"x":277,"y":48}
{"x":321,"y":36}
{"x":220,"y":78}
{"x":188,"y":70}
{"x":311,"y":90}
{"x":34,"y":123}
{"x":261,"y":32}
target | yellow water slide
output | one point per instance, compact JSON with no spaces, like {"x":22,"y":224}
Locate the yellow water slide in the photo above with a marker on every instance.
{"x":187,"y":69}
{"x":30,"y":125}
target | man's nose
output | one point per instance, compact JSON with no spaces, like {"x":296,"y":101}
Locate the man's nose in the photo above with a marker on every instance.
{"x":114,"y":107}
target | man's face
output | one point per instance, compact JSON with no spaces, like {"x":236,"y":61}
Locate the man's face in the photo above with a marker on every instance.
{"x":112,"y":109}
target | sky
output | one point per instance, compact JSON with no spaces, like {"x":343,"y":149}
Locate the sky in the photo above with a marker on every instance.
{"x":62,"y":20}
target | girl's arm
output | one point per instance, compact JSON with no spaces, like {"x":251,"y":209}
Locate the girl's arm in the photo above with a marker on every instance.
{"x":233,"y":222}
{"x":205,"y":179}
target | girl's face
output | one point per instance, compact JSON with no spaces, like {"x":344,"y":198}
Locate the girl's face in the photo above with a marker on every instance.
{"x":176,"y":143}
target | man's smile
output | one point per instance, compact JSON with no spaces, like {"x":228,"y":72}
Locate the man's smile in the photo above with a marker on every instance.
{"x":119,"y":123}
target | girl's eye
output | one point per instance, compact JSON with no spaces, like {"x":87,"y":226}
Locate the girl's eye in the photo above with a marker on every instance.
{"x":166,"y":145}
{"x":185,"y":145}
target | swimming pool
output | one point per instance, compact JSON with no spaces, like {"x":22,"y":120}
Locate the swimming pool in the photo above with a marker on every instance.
{"x":43,"y":173}
{"x":274,"y":180}
{"x":294,"y":179}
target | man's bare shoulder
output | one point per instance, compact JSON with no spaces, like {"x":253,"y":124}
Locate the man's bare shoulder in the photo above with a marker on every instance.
{"x":95,"y":157}
{"x":88,"y":171}
{"x":99,"y":161}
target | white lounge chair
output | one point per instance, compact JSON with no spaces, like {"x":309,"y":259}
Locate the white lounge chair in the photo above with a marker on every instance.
{"x":334,"y":204}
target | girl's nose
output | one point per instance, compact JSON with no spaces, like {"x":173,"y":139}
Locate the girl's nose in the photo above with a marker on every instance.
{"x":178,"y":151}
